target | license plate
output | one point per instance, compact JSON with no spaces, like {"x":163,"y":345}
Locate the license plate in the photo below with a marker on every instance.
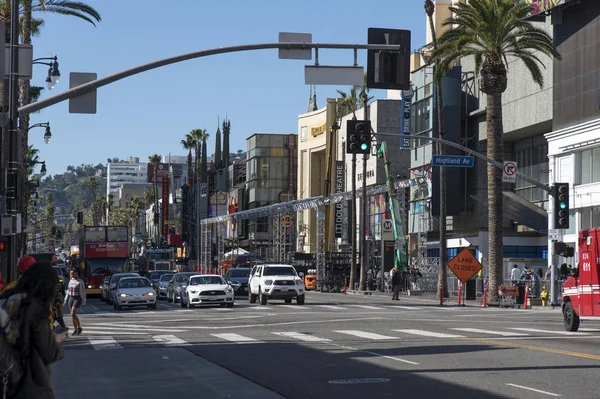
{"x":283,"y":289}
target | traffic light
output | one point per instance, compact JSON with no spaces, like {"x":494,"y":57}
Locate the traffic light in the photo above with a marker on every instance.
{"x":3,"y":245}
{"x":561,"y":206}
{"x":564,"y":250}
{"x":79,"y":217}
{"x":358,"y":137}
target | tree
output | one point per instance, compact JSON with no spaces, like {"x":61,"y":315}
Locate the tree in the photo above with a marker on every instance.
{"x":48,"y":215}
{"x":204,"y":136}
{"x":155,"y":160}
{"x":443,"y":270}
{"x":197,"y":135}
{"x":491,"y":31}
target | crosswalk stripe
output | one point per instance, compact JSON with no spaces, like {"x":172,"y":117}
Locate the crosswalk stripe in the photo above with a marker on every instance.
{"x":301,"y":336}
{"x":334,"y":307}
{"x":104,"y":343}
{"x":406,"y":307}
{"x":365,"y":334}
{"x":105,"y":331}
{"x":239,"y":339}
{"x":296,"y":307}
{"x":534,"y":330}
{"x":258,"y":308}
{"x":368,"y":307}
{"x":432,"y":334}
{"x":501,"y":333}
{"x":169,"y":340}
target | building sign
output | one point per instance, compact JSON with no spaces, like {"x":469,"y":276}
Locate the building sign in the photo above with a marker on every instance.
{"x":405,"y":105}
{"x":107,"y":250}
{"x":162,"y":170}
{"x":165,"y":205}
{"x":542,"y":6}
{"x":316,"y":131}
{"x":370,"y":173}
{"x":339,"y":207}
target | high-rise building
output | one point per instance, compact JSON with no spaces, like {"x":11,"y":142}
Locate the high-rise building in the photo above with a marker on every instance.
{"x":119,"y":173}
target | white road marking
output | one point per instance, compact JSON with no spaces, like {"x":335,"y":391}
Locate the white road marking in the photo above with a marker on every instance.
{"x":432,"y":334}
{"x":169,"y":340}
{"x":114,"y":331}
{"x":535,"y":330}
{"x":295,"y":307}
{"x":104,"y":343}
{"x":368,"y":307}
{"x":501,"y":333}
{"x":237,"y":338}
{"x":301,"y":336}
{"x":534,"y":390}
{"x":589,"y":330}
{"x":334,"y":307}
{"x":406,"y":307}
{"x":132,"y":327}
{"x":126,"y":323}
{"x":365,"y":334}
{"x":397,"y":359}
{"x":258,"y":308}
{"x":284,"y":323}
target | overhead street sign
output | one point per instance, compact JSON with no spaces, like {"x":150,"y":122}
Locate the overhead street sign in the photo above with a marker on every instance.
{"x":509,"y":172}
{"x":291,"y":54}
{"x":84,"y":103}
{"x":458,"y":161}
{"x":465,"y":265}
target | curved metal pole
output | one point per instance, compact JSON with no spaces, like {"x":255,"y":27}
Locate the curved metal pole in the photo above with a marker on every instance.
{"x":95,"y":84}
{"x":469,"y":151}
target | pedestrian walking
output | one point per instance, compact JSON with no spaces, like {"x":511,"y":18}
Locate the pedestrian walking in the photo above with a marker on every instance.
{"x":28,"y":346}
{"x":75,"y":298}
{"x":396,"y":281}
{"x":514,"y":275}
{"x":57,"y":310}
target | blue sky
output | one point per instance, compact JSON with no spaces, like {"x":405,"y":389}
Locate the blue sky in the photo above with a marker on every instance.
{"x":151,"y":112}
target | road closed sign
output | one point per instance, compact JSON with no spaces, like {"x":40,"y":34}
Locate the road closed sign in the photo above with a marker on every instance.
{"x":465,"y":265}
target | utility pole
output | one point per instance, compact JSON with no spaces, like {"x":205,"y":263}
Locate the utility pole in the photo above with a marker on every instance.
{"x":363,"y":210}
{"x":352,"y":221}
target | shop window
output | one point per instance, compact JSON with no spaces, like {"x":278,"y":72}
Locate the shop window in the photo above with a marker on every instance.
{"x":589,"y":166}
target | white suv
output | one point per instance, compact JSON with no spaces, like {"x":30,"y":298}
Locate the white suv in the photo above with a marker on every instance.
{"x":275,"y":282}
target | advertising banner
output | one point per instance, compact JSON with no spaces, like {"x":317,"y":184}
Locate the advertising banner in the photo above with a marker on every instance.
{"x":107,"y":250}
{"x":339,"y":207}
{"x":541,"y":6}
{"x":405,"y":114}
{"x":165,"y":206}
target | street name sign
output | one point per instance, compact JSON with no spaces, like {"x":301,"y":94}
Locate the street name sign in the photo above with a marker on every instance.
{"x":465,"y":265}
{"x":293,"y":54}
{"x":459,"y":161}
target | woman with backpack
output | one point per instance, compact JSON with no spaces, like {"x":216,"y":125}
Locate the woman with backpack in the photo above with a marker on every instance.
{"x":28,"y":344}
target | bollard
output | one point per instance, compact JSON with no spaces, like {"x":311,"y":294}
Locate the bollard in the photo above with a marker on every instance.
{"x":484,"y":305}
{"x":526,"y":298}
{"x":344,"y":284}
{"x":459,"y":293}
{"x":441,"y":293}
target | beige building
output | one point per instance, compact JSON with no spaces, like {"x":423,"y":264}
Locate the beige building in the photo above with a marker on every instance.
{"x":314,"y":140}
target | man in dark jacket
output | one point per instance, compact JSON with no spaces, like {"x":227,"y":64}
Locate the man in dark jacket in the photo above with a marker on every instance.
{"x":396,"y":283}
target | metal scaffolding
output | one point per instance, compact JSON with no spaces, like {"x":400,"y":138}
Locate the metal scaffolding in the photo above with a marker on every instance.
{"x":221,"y":238}
{"x":320,"y":246}
{"x":205,"y":248}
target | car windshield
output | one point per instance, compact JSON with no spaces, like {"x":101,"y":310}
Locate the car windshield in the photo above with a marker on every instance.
{"x":156,"y":274}
{"x":99,"y":267}
{"x":134,"y":283}
{"x":166,"y":277}
{"x":279,"y":271}
{"x":181,"y":278}
{"x":207,"y":280}
{"x":115,"y":278}
{"x":239,"y":272}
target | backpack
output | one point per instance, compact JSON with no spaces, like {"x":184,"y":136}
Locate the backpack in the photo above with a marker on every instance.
{"x":12,"y":369}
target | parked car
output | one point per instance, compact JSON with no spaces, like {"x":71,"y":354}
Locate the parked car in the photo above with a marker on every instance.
{"x":275,"y":281}
{"x":112,"y":285}
{"x":175,"y":285}
{"x":134,"y":291}
{"x":206,"y":289}
{"x":104,"y":289}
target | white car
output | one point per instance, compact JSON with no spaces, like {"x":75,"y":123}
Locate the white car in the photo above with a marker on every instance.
{"x":274,"y":281}
{"x":207,"y":289}
{"x":134,"y":291}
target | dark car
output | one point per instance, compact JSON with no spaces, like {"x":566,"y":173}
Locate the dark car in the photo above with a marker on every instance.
{"x":112,"y":285}
{"x":178,"y":282}
{"x":154,"y":275}
{"x":162,"y":285}
{"x":240,"y":276}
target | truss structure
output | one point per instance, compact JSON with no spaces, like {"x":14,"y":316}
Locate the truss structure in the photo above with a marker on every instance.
{"x":205,"y":248}
{"x":320,"y":246}
{"x":221,"y":237}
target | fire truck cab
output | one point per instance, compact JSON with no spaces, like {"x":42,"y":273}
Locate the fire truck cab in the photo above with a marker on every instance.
{"x":581,"y":291}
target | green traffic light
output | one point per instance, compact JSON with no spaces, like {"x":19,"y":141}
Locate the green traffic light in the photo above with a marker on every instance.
{"x":364,"y":146}
{"x":563,"y":205}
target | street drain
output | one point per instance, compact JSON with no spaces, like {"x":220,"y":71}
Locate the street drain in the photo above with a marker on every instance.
{"x":359,"y":381}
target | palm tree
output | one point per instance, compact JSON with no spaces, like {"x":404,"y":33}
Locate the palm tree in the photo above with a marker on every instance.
{"x":491,"y":31}
{"x":349,"y":102}
{"x":204,"y":136}
{"x":30,"y":157}
{"x":197,"y":135}
{"x":155,"y":160}
{"x":442,"y":272}
{"x":189,"y":144}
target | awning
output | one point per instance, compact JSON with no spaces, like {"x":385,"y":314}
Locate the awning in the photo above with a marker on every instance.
{"x":520,"y":210}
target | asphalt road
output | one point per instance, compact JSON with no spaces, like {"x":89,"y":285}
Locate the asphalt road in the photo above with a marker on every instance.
{"x":335,"y":346}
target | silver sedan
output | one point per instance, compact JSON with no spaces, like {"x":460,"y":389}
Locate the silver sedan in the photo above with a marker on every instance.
{"x":134,"y":291}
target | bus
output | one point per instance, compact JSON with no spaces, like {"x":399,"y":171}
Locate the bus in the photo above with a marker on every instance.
{"x":105,"y":252}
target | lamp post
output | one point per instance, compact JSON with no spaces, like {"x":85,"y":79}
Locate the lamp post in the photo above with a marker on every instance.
{"x":47,"y":132}
{"x":43,"y":163}
{"x":53,"y":73}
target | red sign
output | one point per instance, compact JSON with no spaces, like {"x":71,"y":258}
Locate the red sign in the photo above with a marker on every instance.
{"x":162,"y":170}
{"x":165,"y":206}
{"x":107,"y":250}
{"x":465,"y":265}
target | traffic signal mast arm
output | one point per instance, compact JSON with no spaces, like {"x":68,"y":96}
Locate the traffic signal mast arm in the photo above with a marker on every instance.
{"x":401,"y":258}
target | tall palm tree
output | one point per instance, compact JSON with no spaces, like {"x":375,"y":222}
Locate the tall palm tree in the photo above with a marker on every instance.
{"x":349,"y":102}
{"x":443,"y":271}
{"x":491,"y":31}
{"x":197,"y":135}
{"x":189,"y":144}
{"x":204,"y":136}
{"x":155,"y":160}
{"x":30,"y":157}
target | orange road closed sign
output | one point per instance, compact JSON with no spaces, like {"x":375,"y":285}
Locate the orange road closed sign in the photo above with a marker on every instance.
{"x":464,"y":265}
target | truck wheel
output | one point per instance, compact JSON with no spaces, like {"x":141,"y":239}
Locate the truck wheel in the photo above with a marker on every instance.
{"x":262,"y":297}
{"x":251,"y":297}
{"x":570,"y":318}
{"x":300,"y":300}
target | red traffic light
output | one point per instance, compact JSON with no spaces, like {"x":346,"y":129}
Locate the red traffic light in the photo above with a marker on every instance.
{"x":359,"y":127}
{"x":2,"y":245}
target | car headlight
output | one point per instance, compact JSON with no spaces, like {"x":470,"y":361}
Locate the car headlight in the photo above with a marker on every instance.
{"x":268,"y":282}
{"x":193,"y":292}
{"x":298,"y":282}
{"x":229,"y":289}
{"x":124,"y":295}
{"x":149,"y":294}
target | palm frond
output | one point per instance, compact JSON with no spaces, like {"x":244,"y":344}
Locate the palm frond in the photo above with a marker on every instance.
{"x":72,"y":8}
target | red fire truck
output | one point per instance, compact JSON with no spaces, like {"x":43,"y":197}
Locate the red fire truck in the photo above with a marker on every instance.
{"x":105,"y":252}
{"x":581,"y":292}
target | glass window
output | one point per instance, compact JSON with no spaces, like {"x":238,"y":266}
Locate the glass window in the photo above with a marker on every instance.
{"x":595,"y":167}
{"x":585,"y":166}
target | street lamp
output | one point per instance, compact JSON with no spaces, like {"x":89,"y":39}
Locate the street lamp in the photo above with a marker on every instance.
{"x":53,"y":73}
{"x":47,"y":134}
{"x":43,"y":163}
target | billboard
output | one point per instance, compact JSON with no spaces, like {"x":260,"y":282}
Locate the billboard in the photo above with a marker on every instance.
{"x":165,"y":205}
{"x":162,"y":170}
{"x":541,"y":6}
{"x":107,"y":250}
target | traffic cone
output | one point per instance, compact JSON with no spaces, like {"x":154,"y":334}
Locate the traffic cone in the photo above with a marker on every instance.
{"x":526,"y":296}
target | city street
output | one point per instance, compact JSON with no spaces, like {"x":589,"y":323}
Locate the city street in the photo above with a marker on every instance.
{"x":335,"y":346}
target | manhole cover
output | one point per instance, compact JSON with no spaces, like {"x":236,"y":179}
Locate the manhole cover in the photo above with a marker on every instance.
{"x":359,"y":381}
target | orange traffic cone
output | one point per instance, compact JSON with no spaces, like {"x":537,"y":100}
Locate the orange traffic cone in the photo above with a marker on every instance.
{"x":526,"y":296}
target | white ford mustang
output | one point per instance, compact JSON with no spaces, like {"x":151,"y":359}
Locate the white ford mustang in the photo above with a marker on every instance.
{"x":207,"y":289}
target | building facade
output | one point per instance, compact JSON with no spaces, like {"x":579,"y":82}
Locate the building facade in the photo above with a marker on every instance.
{"x":119,"y":173}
